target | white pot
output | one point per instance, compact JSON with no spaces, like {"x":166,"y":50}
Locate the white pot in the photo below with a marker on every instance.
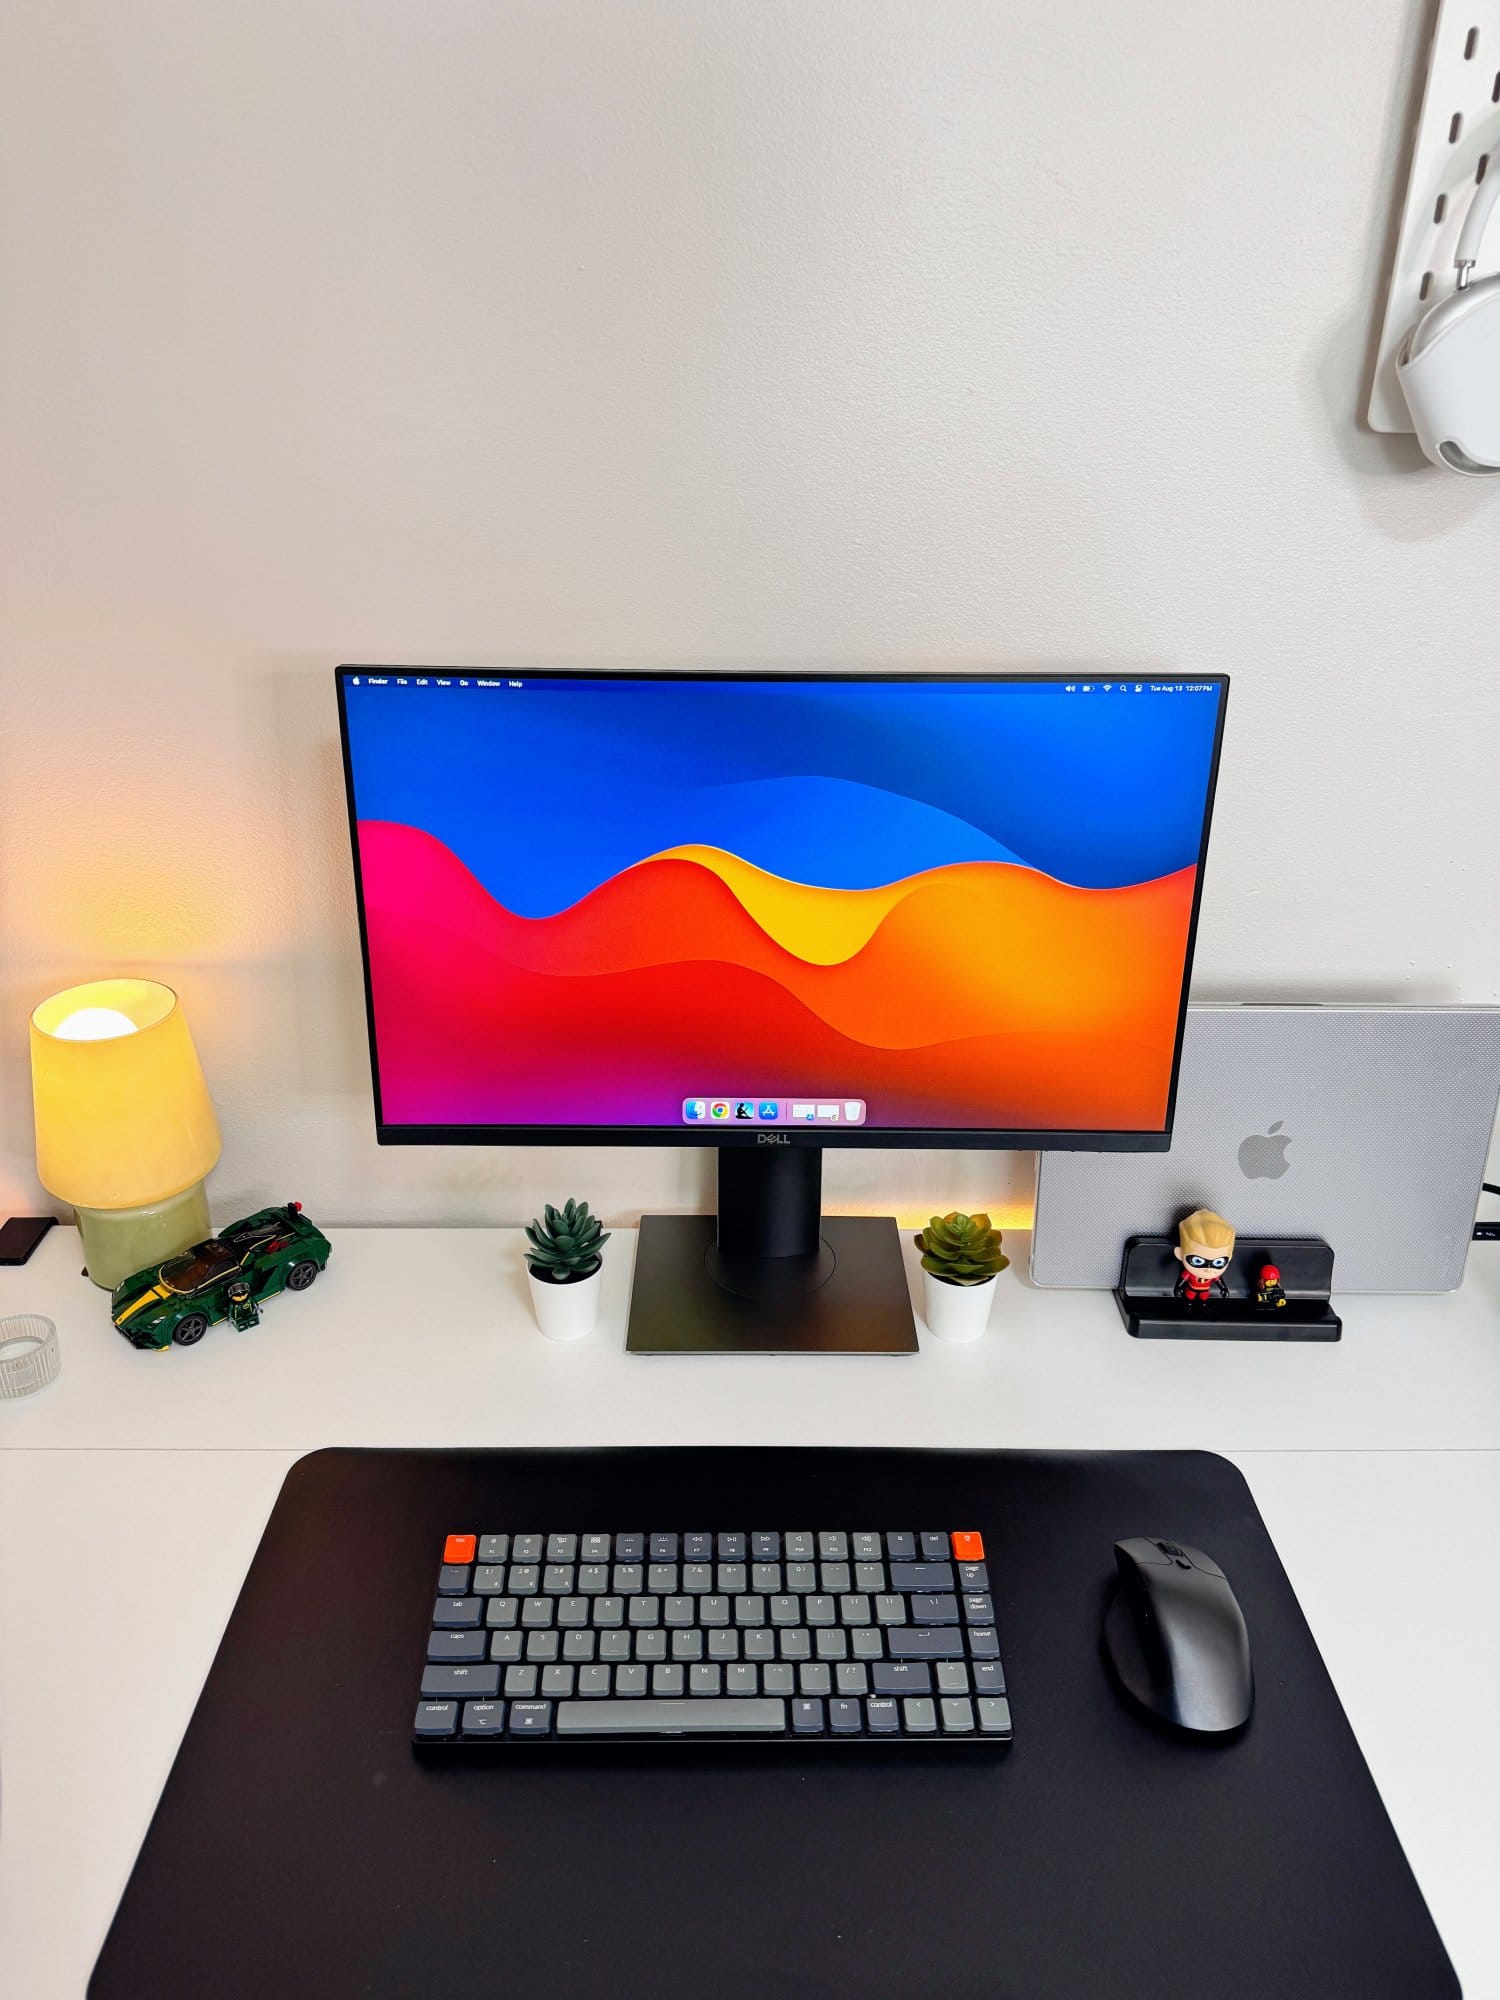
{"x":956,"y":1312}
{"x":566,"y":1312}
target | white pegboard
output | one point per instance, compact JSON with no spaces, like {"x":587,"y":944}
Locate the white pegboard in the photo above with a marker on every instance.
{"x":1458,"y":141}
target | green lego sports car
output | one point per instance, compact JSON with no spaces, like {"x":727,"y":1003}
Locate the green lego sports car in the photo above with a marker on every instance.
{"x":228,"y":1277}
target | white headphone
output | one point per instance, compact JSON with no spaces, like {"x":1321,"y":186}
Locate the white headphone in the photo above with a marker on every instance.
{"x":1449,"y":364}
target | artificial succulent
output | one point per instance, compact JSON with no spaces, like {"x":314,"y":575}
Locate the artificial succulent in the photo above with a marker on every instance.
{"x":565,"y":1244}
{"x":962,"y":1249}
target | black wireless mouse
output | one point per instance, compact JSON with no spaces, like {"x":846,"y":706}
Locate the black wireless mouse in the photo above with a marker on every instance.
{"x":1176,"y":1638}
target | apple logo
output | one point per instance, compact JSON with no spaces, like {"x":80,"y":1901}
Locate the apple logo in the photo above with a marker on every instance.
{"x":1262,"y":1155}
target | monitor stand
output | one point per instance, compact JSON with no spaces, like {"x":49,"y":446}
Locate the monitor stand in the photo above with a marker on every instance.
{"x":770,"y":1274}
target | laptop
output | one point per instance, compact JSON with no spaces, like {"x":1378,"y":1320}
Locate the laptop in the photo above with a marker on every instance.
{"x":1366,"y":1125}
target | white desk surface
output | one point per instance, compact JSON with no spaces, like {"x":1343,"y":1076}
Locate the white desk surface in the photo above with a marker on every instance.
{"x":427,"y":1337}
{"x":134,"y":1489}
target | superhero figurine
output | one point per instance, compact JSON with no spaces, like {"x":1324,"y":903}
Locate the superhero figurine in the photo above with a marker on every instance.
{"x":1205,"y":1244}
{"x":1268,"y":1293}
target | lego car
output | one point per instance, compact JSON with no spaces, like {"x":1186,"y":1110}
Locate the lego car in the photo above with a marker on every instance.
{"x":229,"y":1276}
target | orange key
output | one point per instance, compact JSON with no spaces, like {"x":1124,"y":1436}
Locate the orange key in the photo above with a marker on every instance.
{"x":968,"y":1548}
{"x":460,"y":1549}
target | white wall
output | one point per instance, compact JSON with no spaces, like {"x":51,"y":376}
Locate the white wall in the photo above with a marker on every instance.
{"x":850,"y":331}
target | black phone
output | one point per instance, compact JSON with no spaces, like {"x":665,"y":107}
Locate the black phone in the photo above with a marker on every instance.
{"x":20,"y":1236}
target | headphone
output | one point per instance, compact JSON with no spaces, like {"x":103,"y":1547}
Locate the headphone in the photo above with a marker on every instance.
{"x":1449,"y":364}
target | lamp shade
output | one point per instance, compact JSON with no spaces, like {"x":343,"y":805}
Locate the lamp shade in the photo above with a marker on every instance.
{"x":123,"y":1115}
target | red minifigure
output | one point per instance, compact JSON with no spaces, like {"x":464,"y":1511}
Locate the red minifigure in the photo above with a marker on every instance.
{"x":1268,"y":1292}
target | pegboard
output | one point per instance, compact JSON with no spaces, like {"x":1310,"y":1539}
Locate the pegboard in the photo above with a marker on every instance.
{"x":1457,"y":143}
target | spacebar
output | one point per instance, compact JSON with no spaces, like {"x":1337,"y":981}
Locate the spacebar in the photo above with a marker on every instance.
{"x":707,"y":1715}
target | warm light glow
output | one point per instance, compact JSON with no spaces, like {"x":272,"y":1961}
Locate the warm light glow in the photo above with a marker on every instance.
{"x":1002,"y":1214}
{"x":94,"y":1024}
{"x":123,"y":1116}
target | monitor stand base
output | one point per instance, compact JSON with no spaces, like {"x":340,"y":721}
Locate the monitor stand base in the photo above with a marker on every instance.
{"x":849,"y":1296}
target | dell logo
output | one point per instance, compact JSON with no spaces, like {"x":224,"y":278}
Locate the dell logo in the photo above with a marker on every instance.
{"x":773,"y":1138}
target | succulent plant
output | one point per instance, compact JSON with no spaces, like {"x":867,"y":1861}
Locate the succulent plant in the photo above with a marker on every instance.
{"x":565,"y":1243}
{"x":962,"y":1249}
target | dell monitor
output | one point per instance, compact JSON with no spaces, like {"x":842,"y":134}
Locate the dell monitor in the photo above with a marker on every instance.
{"x":771,"y":913}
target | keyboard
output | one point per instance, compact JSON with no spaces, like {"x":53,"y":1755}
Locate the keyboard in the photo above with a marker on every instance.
{"x":795,"y":1636}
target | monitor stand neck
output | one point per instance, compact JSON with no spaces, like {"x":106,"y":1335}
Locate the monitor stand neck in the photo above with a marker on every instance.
{"x":770,"y":1200}
{"x":768,"y":1240}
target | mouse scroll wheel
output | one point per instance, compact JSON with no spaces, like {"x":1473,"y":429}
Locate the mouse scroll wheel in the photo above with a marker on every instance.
{"x":1170,"y":1549}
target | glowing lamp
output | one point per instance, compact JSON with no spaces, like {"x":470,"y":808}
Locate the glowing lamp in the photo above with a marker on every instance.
{"x":125,"y":1127}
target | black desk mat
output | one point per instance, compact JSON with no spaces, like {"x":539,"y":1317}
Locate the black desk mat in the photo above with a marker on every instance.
{"x":301,"y":1848}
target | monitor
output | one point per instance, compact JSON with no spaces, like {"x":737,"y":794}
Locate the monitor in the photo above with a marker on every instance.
{"x":775,"y":912}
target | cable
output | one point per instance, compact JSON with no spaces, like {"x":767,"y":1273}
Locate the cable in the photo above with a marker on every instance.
{"x":1466,"y":256}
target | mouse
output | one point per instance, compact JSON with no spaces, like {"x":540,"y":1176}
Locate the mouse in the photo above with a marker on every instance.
{"x":1175,"y":1637}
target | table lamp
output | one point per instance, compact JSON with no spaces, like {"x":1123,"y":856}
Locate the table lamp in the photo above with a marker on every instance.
{"x":125,"y":1128}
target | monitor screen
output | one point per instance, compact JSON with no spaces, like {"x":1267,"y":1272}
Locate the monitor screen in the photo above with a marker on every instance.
{"x":877,"y":910}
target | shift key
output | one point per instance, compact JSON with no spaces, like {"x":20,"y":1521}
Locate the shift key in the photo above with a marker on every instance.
{"x":476,"y":1683}
{"x":922,"y":1642}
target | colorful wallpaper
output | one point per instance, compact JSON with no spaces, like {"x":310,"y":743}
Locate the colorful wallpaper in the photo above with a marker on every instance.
{"x":965,"y":904}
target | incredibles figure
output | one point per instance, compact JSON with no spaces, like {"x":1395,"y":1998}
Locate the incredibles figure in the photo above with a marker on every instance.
{"x":1205,"y":1244}
{"x":1268,"y":1293}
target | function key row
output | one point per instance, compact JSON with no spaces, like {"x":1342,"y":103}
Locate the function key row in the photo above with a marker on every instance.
{"x":931,"y":1545}
{"x":665,"y":1579}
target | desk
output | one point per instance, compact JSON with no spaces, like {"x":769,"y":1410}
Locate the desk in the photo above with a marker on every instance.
{"x":133,"y":1492}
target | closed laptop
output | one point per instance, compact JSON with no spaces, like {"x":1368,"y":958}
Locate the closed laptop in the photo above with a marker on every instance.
{"x":1366,"y":1125}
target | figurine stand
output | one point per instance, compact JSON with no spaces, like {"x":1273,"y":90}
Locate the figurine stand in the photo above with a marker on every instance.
{"x":1152,"y":1310}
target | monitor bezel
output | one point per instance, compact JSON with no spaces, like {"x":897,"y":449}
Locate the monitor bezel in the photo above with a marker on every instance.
{"x":868,"y":1138}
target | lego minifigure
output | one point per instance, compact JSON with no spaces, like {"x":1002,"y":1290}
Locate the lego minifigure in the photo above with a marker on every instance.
{"x":1268,"y":1293}
{"x":1205,"y":1244}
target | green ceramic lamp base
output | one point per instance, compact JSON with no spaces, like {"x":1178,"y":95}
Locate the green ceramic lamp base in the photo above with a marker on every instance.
{"x":117,"y":1242}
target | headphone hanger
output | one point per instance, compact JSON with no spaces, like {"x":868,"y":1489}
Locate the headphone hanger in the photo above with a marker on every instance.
{"x":1471,"y":236}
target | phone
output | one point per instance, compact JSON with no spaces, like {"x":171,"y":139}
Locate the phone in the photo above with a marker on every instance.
{"x":20,"y":1236}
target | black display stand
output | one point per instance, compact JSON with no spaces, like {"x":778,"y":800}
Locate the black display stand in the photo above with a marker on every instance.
{"x":770,"y":1274}
{"x":302,"y":1849}
{"x":1152,"y":1310}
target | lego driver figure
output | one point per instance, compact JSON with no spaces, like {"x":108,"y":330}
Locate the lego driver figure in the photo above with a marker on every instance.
{"x":1268,"y":1290}
{"x":1205,"y":1244}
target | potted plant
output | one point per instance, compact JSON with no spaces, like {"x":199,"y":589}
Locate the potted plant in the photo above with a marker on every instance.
{"x":565,"y":1268}
{"x":961,"y":1259}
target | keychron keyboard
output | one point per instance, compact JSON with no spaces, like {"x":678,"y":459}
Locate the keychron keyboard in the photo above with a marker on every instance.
{"x":794,"y":1636}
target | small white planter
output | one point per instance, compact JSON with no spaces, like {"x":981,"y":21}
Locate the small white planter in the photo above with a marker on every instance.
{"x":956,"y":1312}
{"x":566,"y":1312}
